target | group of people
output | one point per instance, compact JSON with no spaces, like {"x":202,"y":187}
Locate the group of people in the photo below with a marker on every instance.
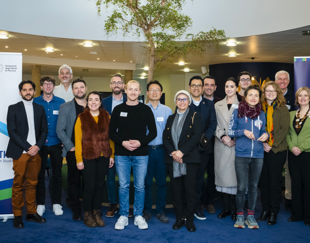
{"x":242,"y":141}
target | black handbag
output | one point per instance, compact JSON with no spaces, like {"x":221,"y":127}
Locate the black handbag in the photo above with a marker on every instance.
{"x":203,"y":143}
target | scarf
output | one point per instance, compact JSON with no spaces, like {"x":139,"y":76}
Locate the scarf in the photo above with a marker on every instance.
{"x":244,"y":110}
{"x":176,"y":129}
{"x":269,"y":110}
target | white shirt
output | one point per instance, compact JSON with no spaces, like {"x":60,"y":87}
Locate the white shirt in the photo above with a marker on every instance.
{"x":31,"y":138}
{"x":61,"y":92}
{"x":196,"y":103}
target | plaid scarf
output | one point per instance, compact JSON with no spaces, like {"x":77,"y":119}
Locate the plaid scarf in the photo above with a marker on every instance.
{"x":248,"y":111}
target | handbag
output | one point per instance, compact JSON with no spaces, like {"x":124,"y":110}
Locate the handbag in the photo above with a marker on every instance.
{"x":203,"y":143}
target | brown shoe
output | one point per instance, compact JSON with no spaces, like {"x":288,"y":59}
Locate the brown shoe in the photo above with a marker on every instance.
{"x":113,"y":209}
{"x":97,"y":217}
{"x":210,"y":209}
{"x":89,"y":220}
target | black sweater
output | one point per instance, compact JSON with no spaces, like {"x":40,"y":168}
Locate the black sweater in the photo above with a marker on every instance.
{"x":131,"y":123}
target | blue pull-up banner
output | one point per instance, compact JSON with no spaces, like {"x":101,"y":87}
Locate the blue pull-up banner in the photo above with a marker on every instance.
{"x":301,"y":72}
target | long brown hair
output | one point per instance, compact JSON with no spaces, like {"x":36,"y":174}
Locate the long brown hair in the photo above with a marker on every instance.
{"x":281,"y":101}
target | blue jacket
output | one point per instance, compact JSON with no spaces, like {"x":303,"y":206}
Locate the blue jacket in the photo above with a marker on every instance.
{"x":107,"y":103}
{"x":246,"y":147}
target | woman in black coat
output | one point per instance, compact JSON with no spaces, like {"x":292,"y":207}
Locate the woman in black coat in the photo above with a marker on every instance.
{"x":181,"y":138}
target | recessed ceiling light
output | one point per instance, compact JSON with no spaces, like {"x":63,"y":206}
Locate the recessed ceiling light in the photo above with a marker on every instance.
{"x":76,"y":56}
{"x":186,"y":70}
{"x":4,"y":36}
{"x":6,"y":46}
{"x":306,"y":32}
{"x":93,"y":53}
{"x":113,"y":60}
{"x":25,"y":49}
{"x":143,"y":74}
{"x":61,"y":54}
{"x":49,"y":49}
{"x":231,"y":43}
{"x":142,"y":77}
{"x":88,"y":44}
{"x":232,"y":54}
{"x":146,"y":68}
{"x":98,"y":58}
{"x":181,"y":63}
{"x":130,"y":61}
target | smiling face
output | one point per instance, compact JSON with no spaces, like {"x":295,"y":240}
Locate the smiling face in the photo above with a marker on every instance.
{"x":47,"y":87}
{"x":209,"y":86}
{"x":195,"y":88}
{"x":117,"y":85}
{"x":154,"y":93}
{"x":79,"y":90}
{"x":283,"y":81}
{"x":230,"y":88}
{"x":27,"y":92}
{"x":303,"y":98}
{"x":245,"y":81}
{"x":252,"y":97}
{"x":270,"y":93}
{"x":94,"y":102}
{"x":133,"y":91}
{"x":65,"y":76}
{"x":182,"y":102}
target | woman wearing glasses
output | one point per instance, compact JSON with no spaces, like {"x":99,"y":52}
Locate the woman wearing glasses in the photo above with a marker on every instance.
{"x":298,"y":140}
{"x":277,"y":125}
{"x":181,"y":138}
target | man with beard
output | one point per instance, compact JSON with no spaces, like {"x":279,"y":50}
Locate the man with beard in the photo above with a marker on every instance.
{"x":209,"y":87}
{"x":52,"y":147}
{"x":109,"y":103}
{"x":64,"y":90}
{"x":68,"y":113}
{"x":27,"y":128}
{"x":128,"y":130}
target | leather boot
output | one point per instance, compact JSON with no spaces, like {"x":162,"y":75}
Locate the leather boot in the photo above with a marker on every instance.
{"x":272,"y":219}
{"x":98,"y":219}
{"x":224,"y":214}
{"x":89,"y":220}
{"x":263,"y":216}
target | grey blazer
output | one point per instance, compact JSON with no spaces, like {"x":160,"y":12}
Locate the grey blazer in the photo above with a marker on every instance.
{"x":65,"y":125}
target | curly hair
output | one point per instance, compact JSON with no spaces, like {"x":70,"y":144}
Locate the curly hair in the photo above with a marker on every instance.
{"x":281,"y":101}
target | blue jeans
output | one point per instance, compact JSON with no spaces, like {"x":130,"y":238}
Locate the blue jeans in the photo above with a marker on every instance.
{"x":123,"y":169}
{"x":248,"y":172}
{"x":111,"y":185}
{"x":156,"y":168}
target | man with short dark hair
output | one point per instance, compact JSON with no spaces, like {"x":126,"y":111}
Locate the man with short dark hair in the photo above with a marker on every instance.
{"x":209,"y":87}
{"x":156,"y":163}
{"x":27,"y":128}
{"x":109,"y":103}
{"x":206,"y":109}
{"x":52,"y":147}
{"x":68,"y":114}
{"x":244,"y":80}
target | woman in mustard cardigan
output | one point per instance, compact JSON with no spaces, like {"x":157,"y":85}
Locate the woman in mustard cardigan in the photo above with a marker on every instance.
{"x":94,"y":154}
{"x":277,"y":125}
{"x":298,"y":140}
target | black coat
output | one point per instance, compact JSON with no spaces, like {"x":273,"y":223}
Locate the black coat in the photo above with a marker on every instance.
{"x":18,"y":129}
{"x":189,"y":139}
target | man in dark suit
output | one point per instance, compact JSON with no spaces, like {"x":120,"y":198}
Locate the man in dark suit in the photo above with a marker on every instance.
{"x":27,"y":128}
{"x":209,"y":87}
{"x":117,"y":98}
{"x":206,"y":109}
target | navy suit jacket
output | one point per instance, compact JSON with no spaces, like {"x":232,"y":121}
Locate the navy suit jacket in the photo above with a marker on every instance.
{"x":208,"y":118}
{"x":107,"y":103}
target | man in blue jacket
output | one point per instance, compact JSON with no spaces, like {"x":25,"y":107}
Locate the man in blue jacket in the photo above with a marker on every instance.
{"x":206,"y":109}
{"x":117,"y":98}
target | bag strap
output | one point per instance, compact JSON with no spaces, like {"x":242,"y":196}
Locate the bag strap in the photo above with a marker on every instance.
{"x":193,"y":117}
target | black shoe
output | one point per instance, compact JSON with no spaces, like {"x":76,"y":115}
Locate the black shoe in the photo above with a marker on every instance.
{"x":147,"y":216}
{"x":190,"y":226}
{"x":18,"y":222}
{"x":130,"y":215}
{"x":288,"y":205}
{"x":178,"y":224}
{"x":224,"y":214}
{"x":199,"y":215}
{"x":291,"y":219}
{"x":76,"y":215}
{"x":162,"y":218}
{"x":68,"y":202}
{"x":272,"y":219}
{"x":307,"y":223}
{"x":264,"y":215}
{"x":234,"y":216}
{"x":35,"y":218}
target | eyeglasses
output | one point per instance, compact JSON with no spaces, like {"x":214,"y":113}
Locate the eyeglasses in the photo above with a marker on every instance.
{"x":117,"y":83}
{"x":270,"y":91}
{"x":48,"y":84}
{"x":155,"y":90}
{"x":182,"y":99}
{"x":196,"y":86}
{"x":245,"y":80}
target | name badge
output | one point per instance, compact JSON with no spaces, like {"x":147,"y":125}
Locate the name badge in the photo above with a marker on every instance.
{"x":288,"y":107}
{"x":124,"y":114}
{"x":258,"y":123}
{"x":160,"y":119}
{"x":234,"y":106}
{"x":55,"y":112}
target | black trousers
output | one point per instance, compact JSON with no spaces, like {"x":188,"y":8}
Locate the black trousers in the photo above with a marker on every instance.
{"x":74,"y":179}
{"x":299,"y":167}
{"x":229,"y":202}
{"x":210,"y":187}
{"x":270,"y":182}
{"x":94,"y":173}
{"x":185,"y":183}
{"x":56,"y":179}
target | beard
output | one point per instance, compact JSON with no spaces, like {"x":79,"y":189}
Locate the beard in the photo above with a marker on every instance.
{"x":80,"y":97}
{"x":27,"y":99}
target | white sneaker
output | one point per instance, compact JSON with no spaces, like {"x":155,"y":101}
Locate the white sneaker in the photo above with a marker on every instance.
{"x":121,"y":223}
{"x":140,"y":222}
{"x":40,"y":209}
{"x":57,"y":209}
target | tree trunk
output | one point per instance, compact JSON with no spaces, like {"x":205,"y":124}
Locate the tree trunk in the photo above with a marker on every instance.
{"x":151,"y":68}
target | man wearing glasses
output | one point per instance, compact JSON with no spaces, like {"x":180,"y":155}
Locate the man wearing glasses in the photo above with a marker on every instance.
{"x":52,"y":147}
{"x":156,"y":164}
{"x":206,"y":109}
{"x":245,"y":80}
{"x":109,"y":103}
